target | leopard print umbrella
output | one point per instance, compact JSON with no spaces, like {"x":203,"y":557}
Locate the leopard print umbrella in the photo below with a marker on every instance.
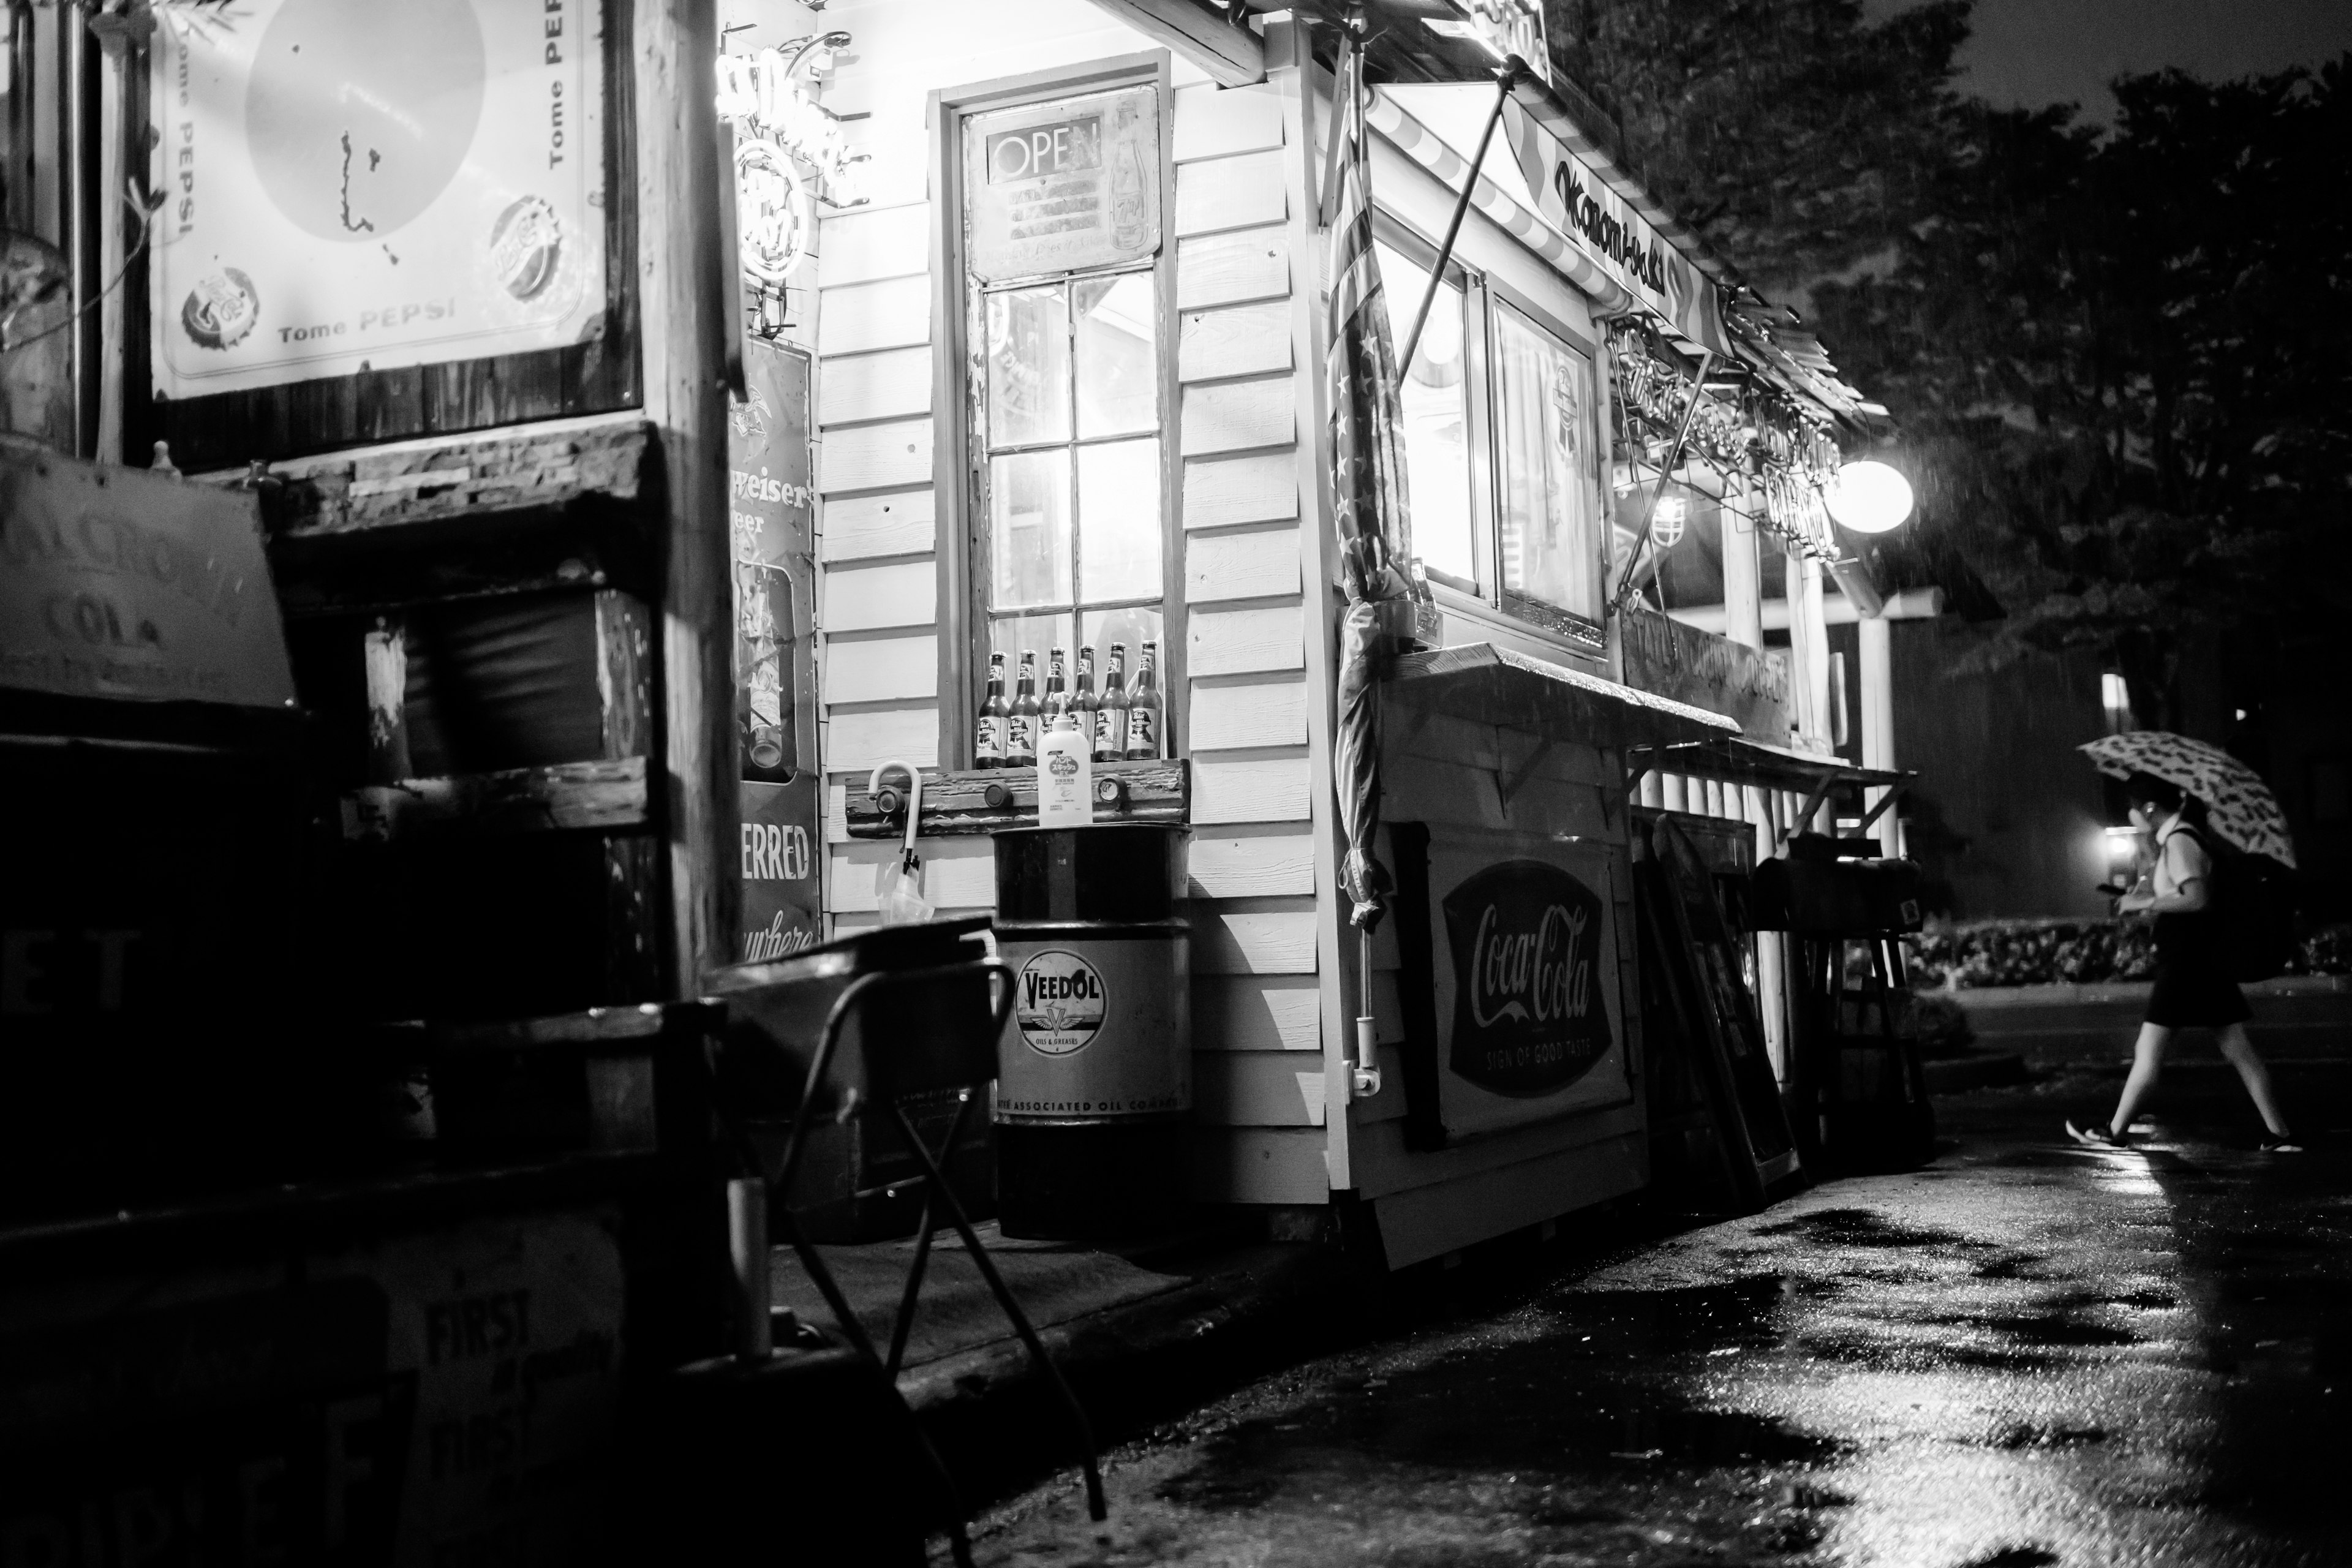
{"x":2240,"y":806}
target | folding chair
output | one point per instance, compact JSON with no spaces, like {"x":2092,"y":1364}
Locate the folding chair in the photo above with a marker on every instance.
{"x":909,"y":1034}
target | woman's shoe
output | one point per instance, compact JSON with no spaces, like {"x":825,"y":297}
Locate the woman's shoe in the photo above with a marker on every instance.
{"x":2096,"y":1136}
{"x":2280,"y":1144}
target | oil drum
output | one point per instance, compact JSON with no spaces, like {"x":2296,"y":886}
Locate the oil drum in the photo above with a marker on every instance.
{"x":1095,"y":1069}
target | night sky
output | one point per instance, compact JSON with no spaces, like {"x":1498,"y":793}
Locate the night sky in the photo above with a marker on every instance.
{"x":2033,"y":52}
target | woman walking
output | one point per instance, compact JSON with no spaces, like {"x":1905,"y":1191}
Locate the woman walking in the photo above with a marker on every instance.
{"x":2193,"y":988}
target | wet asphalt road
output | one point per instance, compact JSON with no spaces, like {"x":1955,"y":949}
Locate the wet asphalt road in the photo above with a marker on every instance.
{"x":2026,"y":1353}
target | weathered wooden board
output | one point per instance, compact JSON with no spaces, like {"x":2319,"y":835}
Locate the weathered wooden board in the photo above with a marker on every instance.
{"x":438,"y":477}
{"x":881,"y":669}
{"x":1272,"y":936}
{"x":857,"y":527}
{"x":1232,"y":268}
{"x":606,"y":794}
{"x":1248,"y":867}
{"x":1237,"y":340}
{"x":874,"y":456}
{"x":1213,"y":123}
{"x":1260,"y":564}
{"x":958,"y":800}
{"x":861,"y":739}
{"x":1250,"y":789}
{"x":1245,"y":641}
{"x":885,"y":385}
{"x":625,"y":673}
{"x":871,"y":244}
{"x":893,"y":314}
{"x":1248,"y":713}
{"x":861,"y":598}
{"x":1262,"y":487}
{"x":1260,"y":1165}
{"x":1241,"y":192}
{"x":1257,"y":1088}
{"x":1256,"y":1013}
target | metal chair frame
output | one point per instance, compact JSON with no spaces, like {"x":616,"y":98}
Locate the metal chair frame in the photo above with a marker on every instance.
{"x":938,"y":1193}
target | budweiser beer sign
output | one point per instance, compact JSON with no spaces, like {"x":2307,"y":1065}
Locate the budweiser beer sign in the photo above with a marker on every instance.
{"x":1529,"y":1018}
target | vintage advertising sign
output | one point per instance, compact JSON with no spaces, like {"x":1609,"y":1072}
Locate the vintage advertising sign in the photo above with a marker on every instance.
{"x":1527,"y":1013}
{"x":1527,"y":979}
{"x":351,"y":186}
{"x":439,"y":1398}
{"x":1663,"y":656}
{"x":119,"y":583}
{"x":1064,"y":186}
{"x":1574,"y":200}
{"x":1100,"y":1029}
{"x":771,"y":513}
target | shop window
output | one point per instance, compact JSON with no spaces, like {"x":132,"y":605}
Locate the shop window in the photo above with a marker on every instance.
{"x":1549,"y":524}
{"x":1502,"y":447}
{"x":1066,"y":275}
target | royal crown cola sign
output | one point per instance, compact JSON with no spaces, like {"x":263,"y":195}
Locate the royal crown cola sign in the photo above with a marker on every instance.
{"x":1528,"y":1017}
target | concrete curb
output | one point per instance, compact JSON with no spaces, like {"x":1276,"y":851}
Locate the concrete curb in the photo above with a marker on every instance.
{"x":1992,"y":998}
{"x":1275,"y":1281}
{"x":1989,"y":1069}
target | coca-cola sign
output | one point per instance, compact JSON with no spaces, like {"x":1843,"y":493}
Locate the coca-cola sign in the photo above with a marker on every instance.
{"x":1529,"y":1018}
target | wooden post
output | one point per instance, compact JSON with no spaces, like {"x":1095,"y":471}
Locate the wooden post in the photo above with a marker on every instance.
{"x":687,"y":315}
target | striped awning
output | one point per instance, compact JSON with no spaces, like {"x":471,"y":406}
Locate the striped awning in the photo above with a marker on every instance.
{"x":1433,"y":153}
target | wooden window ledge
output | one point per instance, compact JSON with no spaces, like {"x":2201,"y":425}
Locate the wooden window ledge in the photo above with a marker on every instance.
{"x":961,"y":801}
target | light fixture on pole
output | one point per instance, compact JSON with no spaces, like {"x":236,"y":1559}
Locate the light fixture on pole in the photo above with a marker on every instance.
{"x":1868,"y":498}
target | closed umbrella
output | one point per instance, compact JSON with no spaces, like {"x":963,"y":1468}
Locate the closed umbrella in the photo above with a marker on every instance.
{"x":2238,"y":804}
{"x":1368,"y":496}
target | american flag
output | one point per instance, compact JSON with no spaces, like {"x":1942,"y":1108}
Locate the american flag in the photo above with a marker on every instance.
{"x":1369,"y":509}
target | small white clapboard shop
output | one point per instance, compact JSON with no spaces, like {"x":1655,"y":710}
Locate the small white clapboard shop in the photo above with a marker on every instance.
{"x":1067,"y":394}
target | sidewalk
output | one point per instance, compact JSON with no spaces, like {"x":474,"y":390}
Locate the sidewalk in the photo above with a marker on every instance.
{"x":1096,"y":1310}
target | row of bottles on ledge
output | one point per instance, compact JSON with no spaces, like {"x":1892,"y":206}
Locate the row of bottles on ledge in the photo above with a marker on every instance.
{"x":1126,"y":725}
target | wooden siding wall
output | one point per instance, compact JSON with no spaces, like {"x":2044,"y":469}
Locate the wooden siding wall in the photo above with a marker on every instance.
{"x":1258,"y":1071}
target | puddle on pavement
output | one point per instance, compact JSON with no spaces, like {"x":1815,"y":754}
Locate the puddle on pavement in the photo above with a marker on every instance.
{"x":1862,"y":1227}
{"x":1561,"y":1406}
{"x":2015,"y":1436}
{"x":1742,"y":1312}
{"x":2054,"y":1330}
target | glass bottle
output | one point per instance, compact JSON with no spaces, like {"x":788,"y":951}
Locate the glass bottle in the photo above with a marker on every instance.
{"x":1110,"y":712}
{"x":1021,"y":719}
{"x":1143,"y":709}
{"x":1057,"y":693}
{"x":988,"y":747}
{"x":1082,"y":700}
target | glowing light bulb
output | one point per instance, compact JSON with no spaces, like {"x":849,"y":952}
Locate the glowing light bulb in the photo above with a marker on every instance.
{"x":1869,"y":498}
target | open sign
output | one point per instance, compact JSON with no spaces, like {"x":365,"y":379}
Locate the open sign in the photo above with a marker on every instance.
{"x":1039,"y":152}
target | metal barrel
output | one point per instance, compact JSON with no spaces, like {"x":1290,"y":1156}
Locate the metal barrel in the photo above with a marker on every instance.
{"x":1095,"y":1069}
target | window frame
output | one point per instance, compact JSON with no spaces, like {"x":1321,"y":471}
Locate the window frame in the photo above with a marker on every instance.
{"x":1571,"y":632}
{"x":959,"y":369}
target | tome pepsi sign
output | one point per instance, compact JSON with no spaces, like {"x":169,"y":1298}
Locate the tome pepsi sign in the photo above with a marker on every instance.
{"x":1529,"y":1018}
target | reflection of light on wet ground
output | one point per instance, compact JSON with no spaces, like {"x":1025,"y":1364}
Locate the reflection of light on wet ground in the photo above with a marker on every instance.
{"x":2126,"y":1174}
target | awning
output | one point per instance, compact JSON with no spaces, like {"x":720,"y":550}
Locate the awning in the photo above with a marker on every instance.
{"x":1490,"y":685}
{"x":1736,"y":759}
{"x":1565,"y":201}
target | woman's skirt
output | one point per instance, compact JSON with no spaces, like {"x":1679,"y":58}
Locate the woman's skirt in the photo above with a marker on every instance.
{"x":2192,"y":990}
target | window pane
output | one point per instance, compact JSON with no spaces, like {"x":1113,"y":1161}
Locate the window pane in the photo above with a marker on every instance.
{"x":1040,"y":635}
{"x":1118,"y":520}
{"x":1437,"y":447}
{"x":1029,"y":528}
{"x":1119,"y":380}
{"x":1550,"y":540}
{"x":1028,"y":368}
{"x":1097,"y":629}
